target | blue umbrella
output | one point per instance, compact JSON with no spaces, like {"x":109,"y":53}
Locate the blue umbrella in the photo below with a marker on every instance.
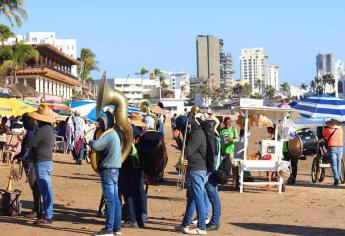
{"x":321,"y":107}
{"x":87,"y":108}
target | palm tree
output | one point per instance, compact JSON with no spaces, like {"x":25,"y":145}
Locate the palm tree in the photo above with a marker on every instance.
{"x":270,"y":91}
{"x":260,"y":84}
{"x":87,"y":64}
{"x":13,"y":11}
{"x":313,"y":85}
{"x":247,"y":90}
{"x":5,"y":33}
{"x":143,"y":72}
{"x":304,"y":86}
{"x":286,"y":88}
{"x":14,"y":57}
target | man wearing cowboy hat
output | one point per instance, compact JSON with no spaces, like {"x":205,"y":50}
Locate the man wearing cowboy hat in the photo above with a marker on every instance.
{"x":42,"y":144}
{"x":333,"y":134}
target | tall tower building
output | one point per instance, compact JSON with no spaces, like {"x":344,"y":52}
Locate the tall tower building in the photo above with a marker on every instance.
{"x":226,"y":70}
{"x":273,"y":76}
{"x":325,"y":64}
{"x":208,"y":49}
{"x":254,"y":66}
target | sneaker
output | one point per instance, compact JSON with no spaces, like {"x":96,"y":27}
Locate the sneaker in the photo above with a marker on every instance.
{"x":30,"y":215}
{"x":44,"y":221}
{"x":133,"y":225}
{"x":117,"y":232}
{"x":210,"y":227}
{"x":181,"y":228}
{"x":196,"y":231}
{"x":104,"y":232}
{"x":336,"y":182}
{"x":207,"y":221}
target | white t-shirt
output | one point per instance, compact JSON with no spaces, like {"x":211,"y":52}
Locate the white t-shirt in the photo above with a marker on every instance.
{"x":150,"y":122}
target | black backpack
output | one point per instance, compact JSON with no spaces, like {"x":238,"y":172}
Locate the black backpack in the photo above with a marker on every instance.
{"x":212,"y":144}
{"x":222,"y":175}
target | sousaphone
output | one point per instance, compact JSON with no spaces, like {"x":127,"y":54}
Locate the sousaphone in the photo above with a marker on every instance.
{"x":108,"y":96}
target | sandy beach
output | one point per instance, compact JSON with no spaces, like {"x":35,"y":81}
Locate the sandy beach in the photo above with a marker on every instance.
{"x":304,"y":209}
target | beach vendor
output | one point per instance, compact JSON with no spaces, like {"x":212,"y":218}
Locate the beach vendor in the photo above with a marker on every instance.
{"x":333,"y":134}
{"x":229,"y":137}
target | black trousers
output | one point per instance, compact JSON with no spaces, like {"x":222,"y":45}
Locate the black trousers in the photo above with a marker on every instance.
{"x":30,"y":172}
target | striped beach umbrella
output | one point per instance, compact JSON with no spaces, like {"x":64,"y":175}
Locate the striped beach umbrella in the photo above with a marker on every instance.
{"x":321,"y":107}
{"x":87,"y":108}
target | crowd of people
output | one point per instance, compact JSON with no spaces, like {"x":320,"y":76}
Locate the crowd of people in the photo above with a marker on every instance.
{"x":209,"y":148}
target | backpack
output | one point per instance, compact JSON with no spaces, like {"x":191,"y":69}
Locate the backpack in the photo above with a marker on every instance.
{"x":212,"y":144}
{"x":222,"y":175}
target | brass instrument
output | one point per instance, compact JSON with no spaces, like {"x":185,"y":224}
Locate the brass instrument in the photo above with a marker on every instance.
{"x":145,"y":106}
{"x":108,"y":96}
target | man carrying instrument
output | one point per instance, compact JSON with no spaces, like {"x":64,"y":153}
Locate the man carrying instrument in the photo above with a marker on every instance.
{"x":196,"y":178}
{"x":109,"y":146}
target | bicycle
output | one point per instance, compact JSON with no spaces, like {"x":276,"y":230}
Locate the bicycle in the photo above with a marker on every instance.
{"x":321,"y":162}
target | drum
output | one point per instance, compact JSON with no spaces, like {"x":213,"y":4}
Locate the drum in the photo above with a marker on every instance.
{"x":304,"y":143}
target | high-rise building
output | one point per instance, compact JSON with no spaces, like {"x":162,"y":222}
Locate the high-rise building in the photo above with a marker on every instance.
{"x":208,"y":49}
{"x":273,"y":76}
{"x":339,"y":69}
{"x":254,"y":66}
{"x":68,"y":46}
{"x":226,"y":70}
{"x":325,"y":64}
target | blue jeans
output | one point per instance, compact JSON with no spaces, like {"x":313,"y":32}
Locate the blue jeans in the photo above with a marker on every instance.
{"x":195,"y":181}
{"x":161,"y":128}
{"x":109,"y":180}
{"x":212,"y":193}
{"x":336,"y":153}
{"x":44,"y":171}
{"x":131,"y":185}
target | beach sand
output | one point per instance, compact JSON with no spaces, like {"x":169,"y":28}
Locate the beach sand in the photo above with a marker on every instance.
{"x":304,"y":209}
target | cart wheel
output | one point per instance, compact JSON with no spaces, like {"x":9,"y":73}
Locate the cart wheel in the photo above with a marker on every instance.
{"x":315,"y":170}
{"x":342,"y":172}
{"x":322,"y":174}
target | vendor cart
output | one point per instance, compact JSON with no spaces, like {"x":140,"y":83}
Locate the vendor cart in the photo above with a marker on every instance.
{"x":273,"y":149}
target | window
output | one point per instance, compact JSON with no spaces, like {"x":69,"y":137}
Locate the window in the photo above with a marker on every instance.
{"x":340,"y":87}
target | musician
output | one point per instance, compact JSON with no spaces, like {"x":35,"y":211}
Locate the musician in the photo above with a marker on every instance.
{"x":29,"y":166}
{"x":131,"y":180}
{"x":42,"y":144}
{"x":110,"y":162}
{"x":196,"y":178}
{"x":333,"y":134}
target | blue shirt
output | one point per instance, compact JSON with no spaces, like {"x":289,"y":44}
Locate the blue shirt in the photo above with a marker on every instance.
{"x":110,"y":146}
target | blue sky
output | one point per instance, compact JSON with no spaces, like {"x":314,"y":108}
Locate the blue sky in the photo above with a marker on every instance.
{"x":127,"y":35}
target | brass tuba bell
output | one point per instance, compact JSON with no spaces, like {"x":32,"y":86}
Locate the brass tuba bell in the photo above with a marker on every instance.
{"x":145,"y":107}
{"x":108,"y":96}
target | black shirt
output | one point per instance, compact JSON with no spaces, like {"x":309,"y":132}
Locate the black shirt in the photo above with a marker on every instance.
{"x":42,"y":144}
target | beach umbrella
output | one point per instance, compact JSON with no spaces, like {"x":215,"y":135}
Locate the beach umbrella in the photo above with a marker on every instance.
{"x":87,"y":108}
{"x":14,"y":107}
{"x":320,"y":107}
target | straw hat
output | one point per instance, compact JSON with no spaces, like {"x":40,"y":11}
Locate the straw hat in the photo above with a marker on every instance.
{"x":137,"y":119}
{"x":333,"y":123}
{"x":43,"y":113}
{"x":214,"y":118}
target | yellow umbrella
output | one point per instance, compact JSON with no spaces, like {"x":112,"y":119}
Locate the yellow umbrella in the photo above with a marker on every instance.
{"x":14,"y":107}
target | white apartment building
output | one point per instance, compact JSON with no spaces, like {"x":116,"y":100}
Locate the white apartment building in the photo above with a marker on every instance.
{"x":273,"y":76}
{"x":68,"y":46}
{"x":178,"y":81}
{"x":254,"y":66}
